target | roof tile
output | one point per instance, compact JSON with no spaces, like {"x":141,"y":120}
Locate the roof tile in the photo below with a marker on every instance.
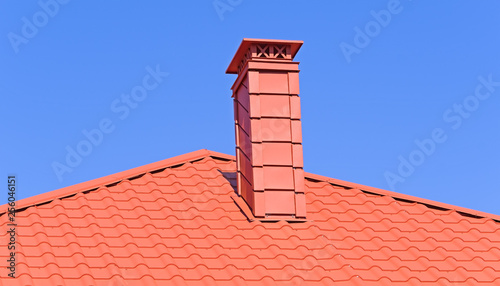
{"x":178,"y":223}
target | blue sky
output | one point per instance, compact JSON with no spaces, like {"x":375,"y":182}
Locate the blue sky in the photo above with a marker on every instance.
{"x":399,"y":95}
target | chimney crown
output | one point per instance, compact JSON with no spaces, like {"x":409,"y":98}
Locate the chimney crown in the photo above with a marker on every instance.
{"x":263,"y":49}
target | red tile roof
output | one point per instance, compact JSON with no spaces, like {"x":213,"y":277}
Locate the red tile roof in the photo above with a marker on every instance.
{"x":180,"y":222}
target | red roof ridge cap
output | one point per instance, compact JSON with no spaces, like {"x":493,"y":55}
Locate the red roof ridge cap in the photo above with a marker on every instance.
{"x":400,"y":196}
{"x":113,"y":178}
{"x":203,"y":153}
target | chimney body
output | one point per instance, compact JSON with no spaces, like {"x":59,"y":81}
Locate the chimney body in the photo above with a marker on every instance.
{"x":268,"y":129}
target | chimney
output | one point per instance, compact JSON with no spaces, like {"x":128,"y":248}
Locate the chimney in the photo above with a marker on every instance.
{"x":268,"y":129}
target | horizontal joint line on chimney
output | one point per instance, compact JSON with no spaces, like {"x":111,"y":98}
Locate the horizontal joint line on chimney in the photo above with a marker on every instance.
{"x":274,"y":117}
{"x":273,"y":93}
{"x":275,"y":165}
{"x":274,"y":141}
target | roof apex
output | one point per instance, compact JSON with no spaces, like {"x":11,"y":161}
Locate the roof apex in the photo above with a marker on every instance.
{"x":203,"y":153}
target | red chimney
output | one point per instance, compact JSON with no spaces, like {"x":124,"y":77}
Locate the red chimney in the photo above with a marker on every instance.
{"x":268,"y":128}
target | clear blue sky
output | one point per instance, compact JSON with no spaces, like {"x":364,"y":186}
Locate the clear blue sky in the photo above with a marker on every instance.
{"x":372,"y":84}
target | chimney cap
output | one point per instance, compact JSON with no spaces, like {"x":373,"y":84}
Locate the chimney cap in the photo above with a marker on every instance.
{"x":245,"y":45}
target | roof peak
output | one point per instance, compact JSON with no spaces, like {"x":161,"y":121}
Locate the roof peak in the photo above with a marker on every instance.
{"x":204,"y":153}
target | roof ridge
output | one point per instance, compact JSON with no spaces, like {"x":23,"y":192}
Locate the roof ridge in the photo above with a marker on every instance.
{"x":114,"y":178}
{"x":203,"y":153}
{"x":399,"y":196}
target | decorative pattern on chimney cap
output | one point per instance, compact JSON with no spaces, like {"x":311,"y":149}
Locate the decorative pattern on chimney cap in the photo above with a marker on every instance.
{"x":263,"y":49}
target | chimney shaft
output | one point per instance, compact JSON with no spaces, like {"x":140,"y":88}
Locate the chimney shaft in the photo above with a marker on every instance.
{"x":268,"y":128}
